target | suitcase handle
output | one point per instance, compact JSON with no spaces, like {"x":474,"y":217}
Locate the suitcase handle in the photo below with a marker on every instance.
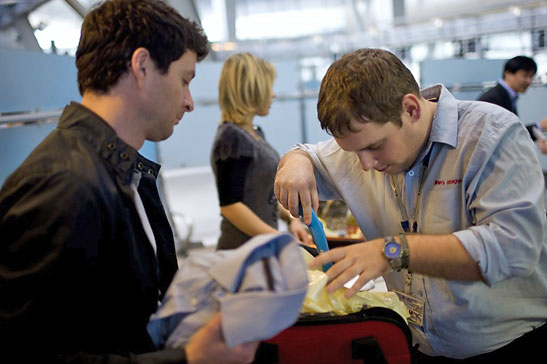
{"x":367,"y":348}
{"x":266,"y":354}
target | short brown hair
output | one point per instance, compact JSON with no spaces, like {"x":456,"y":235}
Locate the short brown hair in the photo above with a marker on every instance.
{"x":114,"y":29}
{"x":365,"y":85}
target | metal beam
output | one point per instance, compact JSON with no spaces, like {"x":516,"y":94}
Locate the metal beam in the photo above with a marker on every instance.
{"x":7,"y":121}
{"x":354,"y":17}
{"x":230,"y":16}
{"x":396,"y":37}
{"x":12,"y":12}
{"x":77,"y":7}
{"x":398,"y":11}
{"x":25,"y":34}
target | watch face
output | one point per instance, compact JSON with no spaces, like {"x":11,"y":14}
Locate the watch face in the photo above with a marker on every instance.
{"x":392,"y":250}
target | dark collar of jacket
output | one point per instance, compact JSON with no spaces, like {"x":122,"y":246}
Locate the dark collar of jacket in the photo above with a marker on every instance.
{"x":94,"y":130}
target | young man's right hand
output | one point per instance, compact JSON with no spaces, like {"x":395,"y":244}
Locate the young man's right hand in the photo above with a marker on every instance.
{"x":295,"y":184}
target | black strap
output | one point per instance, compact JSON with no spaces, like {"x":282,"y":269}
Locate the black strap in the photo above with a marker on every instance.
{"x":368,"y":349}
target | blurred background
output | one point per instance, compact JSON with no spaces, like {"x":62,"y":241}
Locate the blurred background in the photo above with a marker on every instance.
{"x":460,"y":43}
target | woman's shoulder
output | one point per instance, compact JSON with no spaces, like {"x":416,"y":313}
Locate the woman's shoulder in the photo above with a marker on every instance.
{"x":227,"y":129}
{"x":232,"y":142}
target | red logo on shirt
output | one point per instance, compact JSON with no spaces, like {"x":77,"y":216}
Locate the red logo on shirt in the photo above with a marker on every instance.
{"x":448,"y":181}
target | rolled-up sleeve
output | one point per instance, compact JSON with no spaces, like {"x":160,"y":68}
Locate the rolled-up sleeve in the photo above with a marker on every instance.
{"x":504,"y":197}
{"x":325,"y":188}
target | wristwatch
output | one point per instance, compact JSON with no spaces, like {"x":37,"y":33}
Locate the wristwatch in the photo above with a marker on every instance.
{"x":396,"y":253}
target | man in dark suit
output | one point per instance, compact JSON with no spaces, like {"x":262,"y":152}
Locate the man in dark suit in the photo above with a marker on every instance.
{"x":518,"y":73}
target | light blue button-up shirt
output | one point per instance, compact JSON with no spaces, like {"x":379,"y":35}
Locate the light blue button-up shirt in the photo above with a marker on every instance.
{"x":512,"y":93}
{"x":485,"y":185}
{"x":259,"y":288}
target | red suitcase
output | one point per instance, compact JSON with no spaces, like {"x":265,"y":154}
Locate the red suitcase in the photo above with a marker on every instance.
{"x":373,"y":335}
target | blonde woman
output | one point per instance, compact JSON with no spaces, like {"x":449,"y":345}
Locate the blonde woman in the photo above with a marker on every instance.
{"x":243,"y":162}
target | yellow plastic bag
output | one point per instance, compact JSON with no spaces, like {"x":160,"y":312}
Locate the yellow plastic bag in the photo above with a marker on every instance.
{"x":319,"y":301}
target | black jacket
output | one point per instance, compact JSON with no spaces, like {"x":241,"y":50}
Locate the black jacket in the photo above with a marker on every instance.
{"x":78,"y":275}
{"x":498,"y":95}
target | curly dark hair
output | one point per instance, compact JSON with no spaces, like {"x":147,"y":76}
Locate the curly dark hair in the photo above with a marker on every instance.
{"x":364,"y":85}
{"x":114,"y":29}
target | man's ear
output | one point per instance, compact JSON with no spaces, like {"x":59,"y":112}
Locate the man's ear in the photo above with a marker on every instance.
{"x":140,"y":64}
{"x":412,"y":107}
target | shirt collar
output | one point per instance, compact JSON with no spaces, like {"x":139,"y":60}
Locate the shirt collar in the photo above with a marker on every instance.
{"x":512,"y":93}
{"x":444,"y":129}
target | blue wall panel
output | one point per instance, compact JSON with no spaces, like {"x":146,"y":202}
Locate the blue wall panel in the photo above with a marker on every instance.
{"x":17,"y":143}
{"x":32,"y":81}
{"x":314,"y":132}
{"x":459,"y":71}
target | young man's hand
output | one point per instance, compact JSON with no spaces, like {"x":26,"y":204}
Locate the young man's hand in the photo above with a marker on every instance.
{"x":295,"y":184}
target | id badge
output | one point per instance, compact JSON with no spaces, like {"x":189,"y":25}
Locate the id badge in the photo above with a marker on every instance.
{"x":415,"y":308}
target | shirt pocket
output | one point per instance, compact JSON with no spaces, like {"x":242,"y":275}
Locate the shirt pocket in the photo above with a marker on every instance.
{"x":442,"y":210}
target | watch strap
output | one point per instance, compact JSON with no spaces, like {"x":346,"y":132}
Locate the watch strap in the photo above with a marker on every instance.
{"x":405,"y":252}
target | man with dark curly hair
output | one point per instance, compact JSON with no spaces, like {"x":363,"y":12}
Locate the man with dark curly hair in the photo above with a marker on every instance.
{"x":87,"y":251}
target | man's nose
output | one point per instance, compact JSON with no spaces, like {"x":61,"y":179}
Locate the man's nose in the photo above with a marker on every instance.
{"x":188,"y":102}
{"x":367,"y":160}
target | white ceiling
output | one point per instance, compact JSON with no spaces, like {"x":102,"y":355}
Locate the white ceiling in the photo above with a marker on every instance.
{"x":302,"y":28}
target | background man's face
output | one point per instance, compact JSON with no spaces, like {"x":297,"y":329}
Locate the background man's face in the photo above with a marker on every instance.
{"x":520,"y":80}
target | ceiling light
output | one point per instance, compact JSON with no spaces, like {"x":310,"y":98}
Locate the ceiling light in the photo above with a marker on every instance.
{"x":515,"y":10}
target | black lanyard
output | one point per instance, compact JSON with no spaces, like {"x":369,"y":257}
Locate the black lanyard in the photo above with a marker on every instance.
{"x":405,"y":223}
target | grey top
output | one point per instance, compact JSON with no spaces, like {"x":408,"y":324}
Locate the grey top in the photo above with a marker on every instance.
{"x":233,"y":142}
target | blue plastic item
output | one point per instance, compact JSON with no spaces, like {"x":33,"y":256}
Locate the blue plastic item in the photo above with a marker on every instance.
{"x":318,"y":234}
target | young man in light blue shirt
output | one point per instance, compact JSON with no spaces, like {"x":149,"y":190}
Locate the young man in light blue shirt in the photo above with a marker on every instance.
{"x":447,"y":194}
